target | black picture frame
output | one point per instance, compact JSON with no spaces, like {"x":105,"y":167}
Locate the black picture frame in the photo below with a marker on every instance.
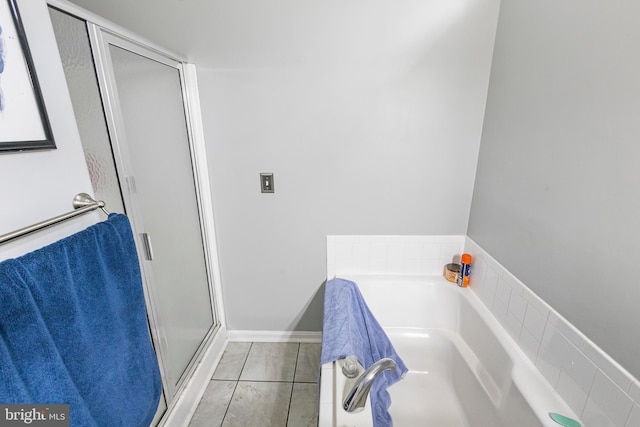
{"x":24,"y":123}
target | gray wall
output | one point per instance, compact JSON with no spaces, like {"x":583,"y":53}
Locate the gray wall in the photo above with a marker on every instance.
{"x":369,"y":116}
{"x":556,"y":197}
{"x":368,"y":112}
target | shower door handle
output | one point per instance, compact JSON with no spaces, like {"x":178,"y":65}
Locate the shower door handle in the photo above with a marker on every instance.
{"x":148,"y":249}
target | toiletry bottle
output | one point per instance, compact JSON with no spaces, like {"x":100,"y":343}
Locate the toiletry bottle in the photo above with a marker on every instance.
{"x":465,"y":269}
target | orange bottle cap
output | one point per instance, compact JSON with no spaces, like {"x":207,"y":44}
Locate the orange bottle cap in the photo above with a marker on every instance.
{"x":465,"y":258}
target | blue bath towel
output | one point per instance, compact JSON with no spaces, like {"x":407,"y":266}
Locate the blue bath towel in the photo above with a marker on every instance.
{"x":349,"y":328}
{"x":73,"y":329}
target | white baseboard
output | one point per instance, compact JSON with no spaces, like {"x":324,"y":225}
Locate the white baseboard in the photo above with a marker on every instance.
{"x":180,"y":413}
{"x":275,"y":336}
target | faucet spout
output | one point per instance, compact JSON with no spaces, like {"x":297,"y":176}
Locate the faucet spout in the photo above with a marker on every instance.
{"x":356,"y":398}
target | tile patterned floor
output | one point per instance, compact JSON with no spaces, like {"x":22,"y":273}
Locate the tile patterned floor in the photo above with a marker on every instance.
{"x":262,"y":385}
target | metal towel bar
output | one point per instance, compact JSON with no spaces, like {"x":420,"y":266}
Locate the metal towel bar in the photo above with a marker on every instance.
{"x":82,"y":203}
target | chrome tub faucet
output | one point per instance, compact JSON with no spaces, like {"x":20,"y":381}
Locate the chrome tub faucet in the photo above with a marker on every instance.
{"x":356,"y":398}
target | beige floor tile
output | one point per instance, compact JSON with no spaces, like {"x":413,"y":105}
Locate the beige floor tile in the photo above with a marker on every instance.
{"x":232,"y":361}
{"x":308,"y":364}
{"x":263,"y":404}
{"x":214,"y":404}
{"x":304,"y":405}
{"x":270,"y":362}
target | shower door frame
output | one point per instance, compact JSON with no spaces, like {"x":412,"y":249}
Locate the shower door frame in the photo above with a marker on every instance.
{"x":99,"y":28}
{"x":100,"y":39}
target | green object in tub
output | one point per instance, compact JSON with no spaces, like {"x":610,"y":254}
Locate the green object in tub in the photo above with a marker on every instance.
{"x":563,"y":421}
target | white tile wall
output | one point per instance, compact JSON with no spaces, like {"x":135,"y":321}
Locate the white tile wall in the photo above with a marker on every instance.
{"x":382,"y":255}
{"x":593,"y":384}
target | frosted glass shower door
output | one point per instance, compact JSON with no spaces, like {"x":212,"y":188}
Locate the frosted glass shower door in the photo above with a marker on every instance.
{"x":152,"y":134}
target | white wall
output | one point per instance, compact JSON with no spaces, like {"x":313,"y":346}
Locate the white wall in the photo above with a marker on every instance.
{"x":556,"y":196}
{"x":35,"y":186}
{"x":368,"y":113}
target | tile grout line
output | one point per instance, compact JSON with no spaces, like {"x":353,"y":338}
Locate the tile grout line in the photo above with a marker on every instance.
{"x":295,"y":369}
{"x":244,"y":364}
{"x":229,"y":404}
{"x":236,"y":386}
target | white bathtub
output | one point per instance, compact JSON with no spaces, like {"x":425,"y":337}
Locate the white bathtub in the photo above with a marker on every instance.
{"x":464,"y":368}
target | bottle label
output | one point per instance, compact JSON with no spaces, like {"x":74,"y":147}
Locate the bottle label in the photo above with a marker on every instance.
{"x":463,"y":279}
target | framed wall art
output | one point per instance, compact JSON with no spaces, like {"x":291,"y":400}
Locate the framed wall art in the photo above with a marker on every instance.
{"x":24,"y":124}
